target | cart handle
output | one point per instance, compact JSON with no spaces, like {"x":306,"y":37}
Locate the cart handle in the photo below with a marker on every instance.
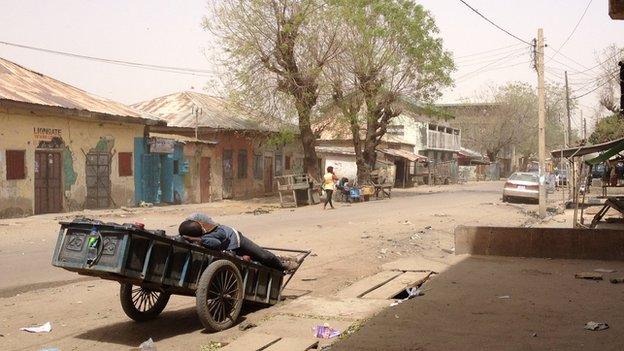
{"x":290,"y":275}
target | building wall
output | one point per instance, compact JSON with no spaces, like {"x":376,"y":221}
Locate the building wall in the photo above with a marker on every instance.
{"x":193,"y":153}
{"x":72,"y":138}
{"x":254,"y":143}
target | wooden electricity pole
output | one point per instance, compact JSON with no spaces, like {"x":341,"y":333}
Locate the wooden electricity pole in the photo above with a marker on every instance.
{"x":541,"y":112}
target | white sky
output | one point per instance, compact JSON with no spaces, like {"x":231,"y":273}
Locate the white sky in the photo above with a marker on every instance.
{"x":169,"y":33}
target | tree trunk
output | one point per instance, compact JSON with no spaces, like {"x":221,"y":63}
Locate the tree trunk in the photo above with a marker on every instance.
{"x":308,"y":141}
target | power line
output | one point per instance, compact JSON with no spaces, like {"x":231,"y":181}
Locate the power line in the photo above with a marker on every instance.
{"x":171,"y":69}
{"x":596,"y":88}
{"x":573,"y":30}
{"x":494,"y":24}
{"x":486,"y":51}
{"x":481,"y":60}
{"x":480,"y":69}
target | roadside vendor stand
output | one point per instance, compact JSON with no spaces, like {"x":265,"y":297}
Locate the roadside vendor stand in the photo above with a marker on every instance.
{"x":581,"y":158}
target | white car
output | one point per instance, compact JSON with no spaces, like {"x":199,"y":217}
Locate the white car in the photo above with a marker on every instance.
{"x":521,"y":185}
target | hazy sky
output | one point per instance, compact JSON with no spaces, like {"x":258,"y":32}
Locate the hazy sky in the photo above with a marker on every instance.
{"x":169,"y":33}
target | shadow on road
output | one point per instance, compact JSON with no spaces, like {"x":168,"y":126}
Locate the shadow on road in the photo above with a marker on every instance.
{"x":167,"y":325}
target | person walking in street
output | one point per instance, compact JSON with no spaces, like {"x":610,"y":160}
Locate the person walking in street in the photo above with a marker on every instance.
{"x":329,"y":184}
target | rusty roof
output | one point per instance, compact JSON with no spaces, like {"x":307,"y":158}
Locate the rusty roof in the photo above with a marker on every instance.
{"x":180,"y":110}
{"x":22,"y":85}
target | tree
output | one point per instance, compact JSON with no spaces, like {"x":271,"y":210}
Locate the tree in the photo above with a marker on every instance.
{"x":607,"y":129}
{"x":393,"y":53}
{"x":276,"y":51}
{"x":510,"y":120}
{"x":608,"y":78}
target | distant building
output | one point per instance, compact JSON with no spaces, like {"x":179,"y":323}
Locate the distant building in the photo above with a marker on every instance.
{"x":246,"y":156}
{"x":61,"y":148}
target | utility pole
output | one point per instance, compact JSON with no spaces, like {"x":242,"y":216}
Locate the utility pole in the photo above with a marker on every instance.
{"x":541,"y":112}
{"x":568,"y":128}
{"x":621,"y":64}
{"x":584,"y":127}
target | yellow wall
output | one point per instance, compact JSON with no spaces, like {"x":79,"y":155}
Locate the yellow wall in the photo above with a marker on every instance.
{"x":17,"y":132}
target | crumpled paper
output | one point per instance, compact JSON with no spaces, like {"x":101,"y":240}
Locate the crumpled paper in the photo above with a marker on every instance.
{"x":44,"y":328}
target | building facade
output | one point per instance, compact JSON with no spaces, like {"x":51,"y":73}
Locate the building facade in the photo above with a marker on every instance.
{"x":246,"y":155}
{"x":61,"y":148}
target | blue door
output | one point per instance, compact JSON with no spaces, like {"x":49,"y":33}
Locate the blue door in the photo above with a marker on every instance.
{"x":151,"y":178}
{"x":166,"y":178}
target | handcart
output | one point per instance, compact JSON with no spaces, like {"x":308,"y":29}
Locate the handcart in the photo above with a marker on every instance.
{"x":151,"y":267}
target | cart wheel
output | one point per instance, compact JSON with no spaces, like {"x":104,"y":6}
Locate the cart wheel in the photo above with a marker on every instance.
{"x":219,"y":295}
{"x":142,"y":304}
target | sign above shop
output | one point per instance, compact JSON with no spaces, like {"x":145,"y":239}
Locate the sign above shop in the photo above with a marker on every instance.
{"x":161,"y":146}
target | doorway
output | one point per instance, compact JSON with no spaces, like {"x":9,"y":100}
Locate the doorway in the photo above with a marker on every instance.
{"x":228,"y":174}
{"x":268,"y":175}
{"x":204,"y":179}
{"x":97,"y":172}
{"x":48,"y":180}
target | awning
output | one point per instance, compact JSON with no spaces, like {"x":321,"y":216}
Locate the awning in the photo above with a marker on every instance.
{"x":588,"y":149}
{"x":404,"y":154}
{"x":614,"y":150}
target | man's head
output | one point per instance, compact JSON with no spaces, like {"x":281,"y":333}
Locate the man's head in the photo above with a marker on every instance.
{"x":330,"y":169}
{"x":191,"y":228}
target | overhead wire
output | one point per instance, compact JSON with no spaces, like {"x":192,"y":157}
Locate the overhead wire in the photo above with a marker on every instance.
{"x":573,"y":30}
{"x":494,"y":24}
{"x":171,"y":69}
{"x":488,"y":51}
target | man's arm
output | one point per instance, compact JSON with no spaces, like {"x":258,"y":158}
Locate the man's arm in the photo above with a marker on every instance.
{"x":211,"y":242}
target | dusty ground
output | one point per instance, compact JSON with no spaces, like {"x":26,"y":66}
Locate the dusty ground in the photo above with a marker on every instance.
{"x":547,"y":309}
{"x":349,"y":243}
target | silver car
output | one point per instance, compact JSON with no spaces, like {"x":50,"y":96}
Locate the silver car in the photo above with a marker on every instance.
{"x":521,"y":185}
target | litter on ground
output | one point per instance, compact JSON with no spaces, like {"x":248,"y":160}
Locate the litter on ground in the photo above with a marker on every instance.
{"x":44,"y":328}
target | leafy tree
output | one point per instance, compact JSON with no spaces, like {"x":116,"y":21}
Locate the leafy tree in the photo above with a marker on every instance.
{"x":607,"y":129}
{"x":609,"y":78}
{"x":275,"y":52}
{"x":511,"y":120}
{"x":392,"y":54}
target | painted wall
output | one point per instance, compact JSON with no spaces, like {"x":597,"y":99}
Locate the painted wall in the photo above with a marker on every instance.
{"x":27,"y":130}
{"x":344,"y":165}
{"x":255,"y":144}
{"x":414,"y":132}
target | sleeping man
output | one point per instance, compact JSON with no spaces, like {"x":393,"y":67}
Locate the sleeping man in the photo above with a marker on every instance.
{"x":200,"y":228}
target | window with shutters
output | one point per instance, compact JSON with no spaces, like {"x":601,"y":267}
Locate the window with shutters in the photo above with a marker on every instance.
{"x":242,"y":164}
{"x":287,"y":162}
{"x":15,"y":165}
{"x":258,"y":167}
{"x":125,"y":164}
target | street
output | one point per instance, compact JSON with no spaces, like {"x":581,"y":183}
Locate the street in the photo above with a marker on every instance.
{"x":348,"y":244}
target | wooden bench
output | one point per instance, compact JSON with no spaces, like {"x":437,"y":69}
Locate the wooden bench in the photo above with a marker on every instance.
{"x":383,"y":190}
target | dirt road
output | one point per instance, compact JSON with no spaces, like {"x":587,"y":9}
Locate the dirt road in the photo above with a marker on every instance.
{"x":349,"y":243}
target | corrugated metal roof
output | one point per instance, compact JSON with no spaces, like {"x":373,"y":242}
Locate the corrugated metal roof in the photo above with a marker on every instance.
{"x":404,"y":154}
{"x":181,"y":138}
{"x":20,"y":84}
{"x":179,"y":110}
{"x":335,"y":150}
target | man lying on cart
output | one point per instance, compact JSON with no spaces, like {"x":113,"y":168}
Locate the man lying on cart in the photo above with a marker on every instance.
{"x":201,"y":229}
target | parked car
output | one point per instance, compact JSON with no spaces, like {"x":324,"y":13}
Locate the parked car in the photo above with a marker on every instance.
{"x":521,"y":185}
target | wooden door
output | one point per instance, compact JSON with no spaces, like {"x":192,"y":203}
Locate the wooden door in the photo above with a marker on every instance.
{"x":97,"y":171}
{"x":48,"y":195}
{"x":204,"y":179}
{"x":268,"y":175}
{"x":228,"y":174}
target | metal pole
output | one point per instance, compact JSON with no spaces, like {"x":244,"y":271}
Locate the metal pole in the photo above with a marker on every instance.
{"x":542,"y":122}
{"x":568,"y":131}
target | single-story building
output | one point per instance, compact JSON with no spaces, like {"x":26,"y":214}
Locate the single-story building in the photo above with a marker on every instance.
{"x":61,"y":148}
{"x":247,"y":153}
